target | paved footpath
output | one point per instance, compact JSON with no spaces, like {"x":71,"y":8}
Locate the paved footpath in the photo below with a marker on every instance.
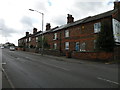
{"x":71,"y":60}
{"x":5,"y":82}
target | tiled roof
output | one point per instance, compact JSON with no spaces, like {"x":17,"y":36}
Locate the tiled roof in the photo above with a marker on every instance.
{"x":71,"y":24}
{"x":87,"y":19}
{"x":48,"y":31}
{"x":99,"y":16}
{"x":84,"y":20}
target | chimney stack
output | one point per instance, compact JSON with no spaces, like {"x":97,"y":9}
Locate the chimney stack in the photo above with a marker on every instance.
{"x":117,"y":4}
{"x":27,"y":33}
{"x":34,"y":30}
{"x":48,"y":26}
{"x":70,"y":19}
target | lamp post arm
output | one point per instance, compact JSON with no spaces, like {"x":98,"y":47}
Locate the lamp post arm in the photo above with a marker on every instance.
{"x":39,"y":12}
{"x":42,"y":28}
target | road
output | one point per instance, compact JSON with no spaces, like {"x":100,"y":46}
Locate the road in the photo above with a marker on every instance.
{"x":28,"y":70}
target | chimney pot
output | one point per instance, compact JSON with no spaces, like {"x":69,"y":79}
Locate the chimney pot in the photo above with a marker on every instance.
{"x":48,"y":26}
{"x":117,"y":5}
{"x":27,"y":33}
{"x":70,"y":19}
{"x":34,"y":30}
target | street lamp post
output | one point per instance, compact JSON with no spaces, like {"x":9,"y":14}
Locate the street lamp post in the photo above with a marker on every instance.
{"x":42,"y":27}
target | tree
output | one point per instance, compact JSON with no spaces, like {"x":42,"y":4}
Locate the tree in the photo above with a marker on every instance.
{"x":45,"y":43}
{"x":105,"y":38}
{"x":40,"y":42}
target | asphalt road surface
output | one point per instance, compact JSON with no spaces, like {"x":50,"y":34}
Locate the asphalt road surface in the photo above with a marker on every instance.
{"x":28,"y":70}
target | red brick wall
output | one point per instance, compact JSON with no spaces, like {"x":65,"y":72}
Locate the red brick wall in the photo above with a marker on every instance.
{"x":93,"y":55}
{"x":117,"y":53}
{"x":79,"y":33}
{"x":33,"y":41}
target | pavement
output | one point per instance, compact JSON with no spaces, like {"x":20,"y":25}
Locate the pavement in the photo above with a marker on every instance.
{"x":5,"y":82}
{"x":72,"y":60}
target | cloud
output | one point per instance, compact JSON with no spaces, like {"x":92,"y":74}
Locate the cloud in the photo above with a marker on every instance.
{"x":83,"y":9}
{"x":26,"y":20}
{"x":5,"y":30}
{"x":27,"y":23}
{"x":59,"y":9}
{"x":40,"y":5}
{"x":17,"y":19}
{"x":59,"y":20}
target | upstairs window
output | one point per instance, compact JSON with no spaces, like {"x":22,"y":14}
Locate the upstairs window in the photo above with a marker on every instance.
{"x":29,"y":39}
{"x":55,"y":36}
{"x":97,"y":27}
{"x":19,"y":41}
{"x":26,"y":40}
{"x":36,"y":39}
{"x":66,"y":33}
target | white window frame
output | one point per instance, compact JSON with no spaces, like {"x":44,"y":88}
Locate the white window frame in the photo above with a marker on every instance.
{"x":116,"y":30}
{"x":26,"y":40}
{"x":55,"y":36}
{"x":83,"y":46}
{"x":19,"y":41}
{"x":36,"y":39}
{"x":67,"y":44}
{"x":29,"y":45}
{"x":67,"y":33}
{"x":97,"y":27}
{"x":55,"y":45}
{"x":29,"y":39}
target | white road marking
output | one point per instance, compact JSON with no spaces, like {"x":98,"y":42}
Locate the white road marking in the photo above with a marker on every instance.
{"x":108,"y":80}
{"x":3,"y":63}
{"x":55,"y":66}
{"x":11,"y":84}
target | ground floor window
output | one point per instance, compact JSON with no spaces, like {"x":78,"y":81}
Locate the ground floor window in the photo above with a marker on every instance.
{"x":77,"y":46}
{"x":95,"y":41}
{"x":66,"y":45}
{"x":55,"y":46}
{"x":82,"y":46}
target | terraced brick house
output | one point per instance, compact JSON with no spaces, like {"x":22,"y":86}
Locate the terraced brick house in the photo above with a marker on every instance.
{"x":78,"y":38}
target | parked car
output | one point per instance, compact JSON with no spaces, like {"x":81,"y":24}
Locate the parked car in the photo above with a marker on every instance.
{"x":2,"y":47}
{"x":12,"y":48}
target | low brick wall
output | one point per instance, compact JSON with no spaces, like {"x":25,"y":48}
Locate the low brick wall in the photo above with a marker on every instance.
{"x":92,"y":55}
{"x":117,"y":53}
{"x":51,"y":52}
{"x":32,"y":50}
{"x":20,"y":49}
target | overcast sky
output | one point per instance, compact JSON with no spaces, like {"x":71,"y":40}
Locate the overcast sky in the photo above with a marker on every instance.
{"x":16,"y":19}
